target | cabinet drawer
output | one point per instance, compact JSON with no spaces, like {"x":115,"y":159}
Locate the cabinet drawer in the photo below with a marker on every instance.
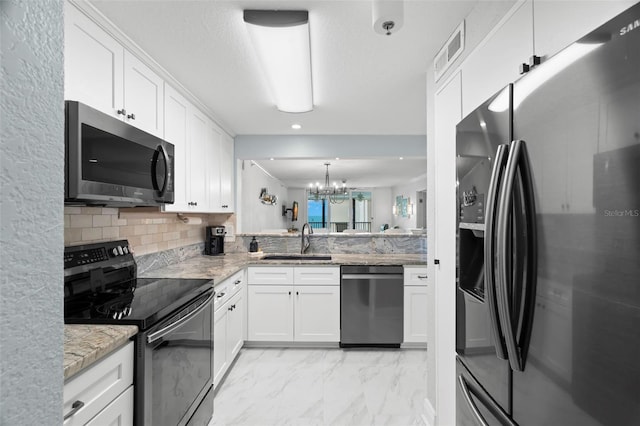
{"x":223,"y":292}
{"x":316,"y":275}
{"x":236,"y":281}
{"x":270,"y":275}
{"x":415,"y":276}
{"x":119,"y":412}
{"x":98,"y":385}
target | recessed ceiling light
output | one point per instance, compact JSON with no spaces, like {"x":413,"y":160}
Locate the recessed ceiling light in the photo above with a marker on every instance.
{"x":271,"y":158}
{"x":337,"y":158}
{"x":296,"y":126}
{"x":402,"y":158}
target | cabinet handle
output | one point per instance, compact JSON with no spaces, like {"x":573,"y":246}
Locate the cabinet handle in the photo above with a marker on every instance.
{"x":289,"y":293}
{"x":74,"y":409}
{"x":122,"y":111}
{"x":131,"y":116}
{"x":195,"y":203}
{"x":297,"y":294}
{"x":422,"y":277}
{"x":221,"y":295}
{"x":237,"y":282}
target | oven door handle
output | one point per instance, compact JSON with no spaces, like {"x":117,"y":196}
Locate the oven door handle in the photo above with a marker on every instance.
{"x":171,"y":327}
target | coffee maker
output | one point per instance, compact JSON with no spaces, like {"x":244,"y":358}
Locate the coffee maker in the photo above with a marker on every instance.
{"x":214,"y":241}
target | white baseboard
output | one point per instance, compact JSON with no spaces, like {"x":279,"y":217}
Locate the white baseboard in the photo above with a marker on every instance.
{"x":429,"y":414}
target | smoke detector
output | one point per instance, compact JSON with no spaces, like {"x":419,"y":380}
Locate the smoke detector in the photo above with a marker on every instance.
{"x":387,"y":16}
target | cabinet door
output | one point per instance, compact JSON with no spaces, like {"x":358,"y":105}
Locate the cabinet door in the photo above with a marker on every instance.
{"x":558,"y":24}
{"x":213,"y":167}
{"x":220,"y":362}
{"x":197,"y":149}
{"x":119,"y":412}
{"x":143,"y":96}
{"x":415,"y":314}
{"x":496,"y":63}
{"x":415,"y":275}
{"x":270,"y":313}
{"x":93,"y":64}
{"x":317,"y":313}
{"x":176,"y":118}
{"x":235,"y":324}
{"x":226,"y":173}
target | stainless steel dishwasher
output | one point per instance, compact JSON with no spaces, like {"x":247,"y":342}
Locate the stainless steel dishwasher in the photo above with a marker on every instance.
{"x":371,"y":306}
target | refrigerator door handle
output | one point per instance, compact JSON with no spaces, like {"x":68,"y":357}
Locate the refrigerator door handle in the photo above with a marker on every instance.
{"x":531,"y":260}
{"x":518,"y":161}
{"x":471,"y":387}
{"x":472,"y":405}
{"x":489,"y":248}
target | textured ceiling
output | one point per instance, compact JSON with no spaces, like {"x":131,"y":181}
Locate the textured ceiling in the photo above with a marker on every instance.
{"x":364,"y":83}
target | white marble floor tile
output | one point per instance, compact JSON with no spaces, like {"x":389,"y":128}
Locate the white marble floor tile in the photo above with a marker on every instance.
{"x":309,"y":387}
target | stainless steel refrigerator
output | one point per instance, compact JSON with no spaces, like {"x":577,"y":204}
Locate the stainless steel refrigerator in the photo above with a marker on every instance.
{"x":548,"y":297}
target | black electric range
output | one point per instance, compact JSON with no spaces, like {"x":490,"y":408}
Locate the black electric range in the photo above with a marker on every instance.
{"x":174,"y":318}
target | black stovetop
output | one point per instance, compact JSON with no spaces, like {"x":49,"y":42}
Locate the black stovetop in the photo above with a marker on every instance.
{"x":105,"y":290}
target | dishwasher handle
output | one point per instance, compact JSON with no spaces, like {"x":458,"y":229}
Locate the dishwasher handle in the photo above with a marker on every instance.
{"x":372,"y":276}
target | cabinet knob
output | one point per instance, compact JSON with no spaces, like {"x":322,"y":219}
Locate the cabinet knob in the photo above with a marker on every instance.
{"x":131,"y":116}
{"x":122,"y":111}
{"x":297,"y":293}
{"x":289,"y":293}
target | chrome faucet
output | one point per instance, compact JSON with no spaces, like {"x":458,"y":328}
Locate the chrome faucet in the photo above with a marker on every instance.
{"x":305,"y":242}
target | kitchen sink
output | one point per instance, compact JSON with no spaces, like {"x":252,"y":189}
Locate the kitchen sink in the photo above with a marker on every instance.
{"x":296,"y":257}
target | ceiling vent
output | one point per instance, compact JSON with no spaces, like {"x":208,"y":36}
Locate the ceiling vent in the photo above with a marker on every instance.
{"x":449,"y":52}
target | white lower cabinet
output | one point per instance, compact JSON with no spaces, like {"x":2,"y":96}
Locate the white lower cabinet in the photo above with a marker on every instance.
{"x":270,"y":313}
{"x":317,"y":313}
{"x":415,"y":305}
{"x":285,"y":305}
{"x":228,"y":324}
{"x":103,"y":393}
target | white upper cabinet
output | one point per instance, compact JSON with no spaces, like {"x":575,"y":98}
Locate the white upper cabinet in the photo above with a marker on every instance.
{"x":93,"y":64}
{"x":176,"y":111}
{"x":143,"y":96}
{"x":227,"y":177}
{"x":199,"y":150}
{"x":560,"y":23}
{"x":101,"y":73}
{"x":496,"y":62}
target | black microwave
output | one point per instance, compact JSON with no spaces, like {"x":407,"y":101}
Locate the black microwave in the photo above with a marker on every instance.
{"x":111,"y":163}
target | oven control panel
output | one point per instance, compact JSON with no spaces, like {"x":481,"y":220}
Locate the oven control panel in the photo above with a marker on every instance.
{"x":95,"y":253}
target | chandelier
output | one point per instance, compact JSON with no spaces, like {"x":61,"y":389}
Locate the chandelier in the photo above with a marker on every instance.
{"x":333,"y":193}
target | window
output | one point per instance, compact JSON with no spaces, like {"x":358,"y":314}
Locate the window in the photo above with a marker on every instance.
{"x":351,"y":211}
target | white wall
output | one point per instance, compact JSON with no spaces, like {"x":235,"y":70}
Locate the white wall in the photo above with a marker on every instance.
{"x":381,"y":206}
{"x":31,"y":202}
{"x":255,"y":215}
{"x":408,"y":190}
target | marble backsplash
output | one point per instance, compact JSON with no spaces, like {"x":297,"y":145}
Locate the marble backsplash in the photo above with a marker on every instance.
{"x":319,"y":244}
{"x":336,"y":244}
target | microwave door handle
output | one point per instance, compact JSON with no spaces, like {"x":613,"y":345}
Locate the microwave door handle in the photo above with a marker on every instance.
{"x":160,"y":150}
{"x":489,"y":248}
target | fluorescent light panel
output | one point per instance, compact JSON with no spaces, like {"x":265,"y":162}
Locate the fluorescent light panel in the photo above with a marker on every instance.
{"x":281,"y":40}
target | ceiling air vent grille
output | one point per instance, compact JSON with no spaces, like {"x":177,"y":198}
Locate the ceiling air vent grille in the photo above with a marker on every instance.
{"x":449,"y":52}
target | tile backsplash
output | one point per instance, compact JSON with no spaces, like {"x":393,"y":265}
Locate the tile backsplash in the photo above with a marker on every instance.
{"x":147,"y":229}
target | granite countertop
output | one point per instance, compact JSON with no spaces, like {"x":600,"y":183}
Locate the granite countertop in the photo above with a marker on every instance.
{"x":219,"y":268}
{"x":84,"y":344}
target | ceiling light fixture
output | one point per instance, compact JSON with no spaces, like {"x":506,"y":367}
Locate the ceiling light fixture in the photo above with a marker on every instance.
{"x":281,"y":40}
{"x":296,"y":126}
{"x":334,"y":194}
